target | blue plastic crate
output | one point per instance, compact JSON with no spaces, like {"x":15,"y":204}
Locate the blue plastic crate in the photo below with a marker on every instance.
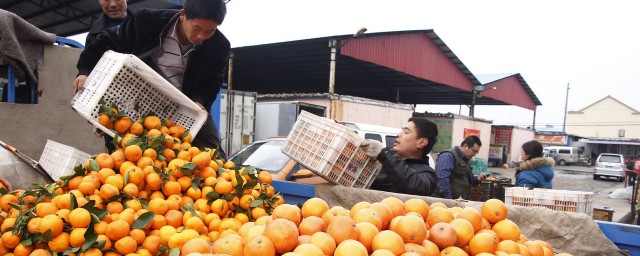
{"x":294,"y":193}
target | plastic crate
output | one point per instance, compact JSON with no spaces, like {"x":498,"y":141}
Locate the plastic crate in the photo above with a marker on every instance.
{"x":331,"y":151}
{"x":59,"y":159}
{"x":559,"y":200}
{"x":294,"y":193}
{"x":136,"y":89}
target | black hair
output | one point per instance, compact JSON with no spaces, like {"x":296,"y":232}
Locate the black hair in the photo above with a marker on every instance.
{"x":205,"y":9}
{"x":532,"y":148}
{"x":426,"y":129}
{"x":470,"y":141}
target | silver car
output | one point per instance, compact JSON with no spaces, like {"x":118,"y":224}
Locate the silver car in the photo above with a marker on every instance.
{"x":610,"y":165}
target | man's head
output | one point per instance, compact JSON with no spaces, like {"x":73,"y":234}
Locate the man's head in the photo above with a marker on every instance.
{"x":470,"y":146}
{"x":114,"y":9}
{"x":416,"y":139}
{"x":199,"y":19}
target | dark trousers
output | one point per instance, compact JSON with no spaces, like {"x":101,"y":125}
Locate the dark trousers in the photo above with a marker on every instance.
{"x":208,"y":137}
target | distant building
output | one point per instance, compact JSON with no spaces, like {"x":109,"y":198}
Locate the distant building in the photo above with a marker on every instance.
{"x":607,"y":126}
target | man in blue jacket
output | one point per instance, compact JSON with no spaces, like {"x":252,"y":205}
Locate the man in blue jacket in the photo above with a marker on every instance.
{"x":182,"y":45}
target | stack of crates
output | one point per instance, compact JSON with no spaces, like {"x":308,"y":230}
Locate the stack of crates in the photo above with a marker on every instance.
{"x":330,"y":150}
{"x":490,"y":189}
{"x":554,"y":199}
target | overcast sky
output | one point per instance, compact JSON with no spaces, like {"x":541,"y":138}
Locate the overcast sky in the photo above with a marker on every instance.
{"x":593,"y":45}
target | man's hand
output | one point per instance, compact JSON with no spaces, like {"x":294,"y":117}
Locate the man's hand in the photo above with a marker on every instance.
{"x":482,"y":177}
{"x":5,"y":183}
{"x":78,"y":84}
{"x":371,"y":147}
{"x":97,"y":132}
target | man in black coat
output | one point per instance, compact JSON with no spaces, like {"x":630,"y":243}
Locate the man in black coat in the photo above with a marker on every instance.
{"x":405,"y":167}
{"x":184,"y":46}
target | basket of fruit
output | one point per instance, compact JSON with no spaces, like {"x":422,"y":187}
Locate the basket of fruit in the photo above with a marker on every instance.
{"x":126,"y":81}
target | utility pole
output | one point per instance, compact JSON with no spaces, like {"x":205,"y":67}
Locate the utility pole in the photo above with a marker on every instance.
{"x":566,"y":101}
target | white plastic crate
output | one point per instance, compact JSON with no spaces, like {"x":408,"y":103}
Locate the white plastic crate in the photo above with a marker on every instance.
{"x":330,"y":150}
{"x":59,"y":159}
{"x":125,"y":80}
{"x":554,"y":199}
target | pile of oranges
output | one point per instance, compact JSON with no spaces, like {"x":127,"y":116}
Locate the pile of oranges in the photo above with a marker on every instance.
{"x":150,"y":196}
{"x":158,"y":195}
{"x":386,"y":228}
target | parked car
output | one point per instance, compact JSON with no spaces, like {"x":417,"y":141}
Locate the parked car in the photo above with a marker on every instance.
{"x":610,"y":165}
{"x":267,"y":155}
{"x":563,"y":155}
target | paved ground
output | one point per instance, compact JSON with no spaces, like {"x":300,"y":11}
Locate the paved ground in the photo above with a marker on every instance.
{"x":580,"y":178}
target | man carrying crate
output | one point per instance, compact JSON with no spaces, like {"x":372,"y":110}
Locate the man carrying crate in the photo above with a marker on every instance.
{"x":183,"y":46}
{"x":405,"y":167}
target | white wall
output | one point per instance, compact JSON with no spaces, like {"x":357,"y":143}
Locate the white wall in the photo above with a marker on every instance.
{"x":518,"y":137}
{"x":603,"y":119}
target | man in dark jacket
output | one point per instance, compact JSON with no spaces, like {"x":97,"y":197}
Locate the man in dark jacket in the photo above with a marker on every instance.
{"x":454,"y":170}
{"x":113,"y":13}
{"x":405,"y":167}
{"x":184,"y":46}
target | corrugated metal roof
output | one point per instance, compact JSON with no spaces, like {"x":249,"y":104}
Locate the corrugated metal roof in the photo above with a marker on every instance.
{"x":512,"y":89}
{"x":373,"y":66}
{"x":70,"y":17}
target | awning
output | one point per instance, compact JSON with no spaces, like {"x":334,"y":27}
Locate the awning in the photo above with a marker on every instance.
{"x":611,"y":142}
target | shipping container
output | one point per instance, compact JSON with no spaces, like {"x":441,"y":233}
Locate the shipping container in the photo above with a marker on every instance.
{"x":234,"y":113}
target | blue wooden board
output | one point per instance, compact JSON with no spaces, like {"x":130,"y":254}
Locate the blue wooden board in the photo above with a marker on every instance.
{"x":625,"y":236}
{"x":293,"y":192}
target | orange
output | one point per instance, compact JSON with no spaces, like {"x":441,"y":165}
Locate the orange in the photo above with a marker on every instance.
{"x":46,"y":208}
{"x":311,"y":225}
{"x":494,"y":210}
{"x":388,"y":240}
{"x":32,"y":225}
{"x":439,"y":214}
{"x":105,"y":161}
{"x":53,"y":223}
{"x":122,"y":125}
{"x":158,"y":205}
{"x":259,"y":245}
{"x":40,"y":252}
{"x":309,"y":250}
{"x":136,"y":129}
{"x":151,"y":244}
{"x":464,"y":231}
{"x":443,"y":234}
{"x":171,"y":188}
{"x":415,"y":248}
{"x":483,"y":242}
{"x":357,"y":207}
{"x":117,"y":229}
{"x":118,"y":158}
{"x":313,"y":206}
{"x":412,"y":229}
{"x":324,"y":241}
{"x":369,"y":215}
{"x":152,"y":122}
{"x":351,"y":248}
{"x":265,"y":177}
{"x":508,"y":246}
{"x":283,"y":233}
{"x":229,"y":245}
{"x":153,"y":181}
{"x":418,"y":206}
{"x":10,"y":240}
{"x":473,"y":216}
{"x":383,"y":252}
{"x":138,"y":235}
{"x":104,"y":120}
{"x":342,"y":228}
{"x":59,"y":243}
{"x":258,"y":212}
{"x":79,"y":218}
{"x":396,"y":205}
{"x":506,"y":230}
{"x":366,"y":233}
{"x":76,"y":237}
{"x":133,"y":153}
{"x":125,"y":245}
{"x":22,"y":250}
{"x":220,"y":207}
{"x":453,"y":251}
{"x":196,"y":245}
{"x":288,"y":211}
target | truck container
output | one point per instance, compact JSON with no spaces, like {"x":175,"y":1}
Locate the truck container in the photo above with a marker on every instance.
{"x":275,"y":119}
{"x":234,"y":113}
